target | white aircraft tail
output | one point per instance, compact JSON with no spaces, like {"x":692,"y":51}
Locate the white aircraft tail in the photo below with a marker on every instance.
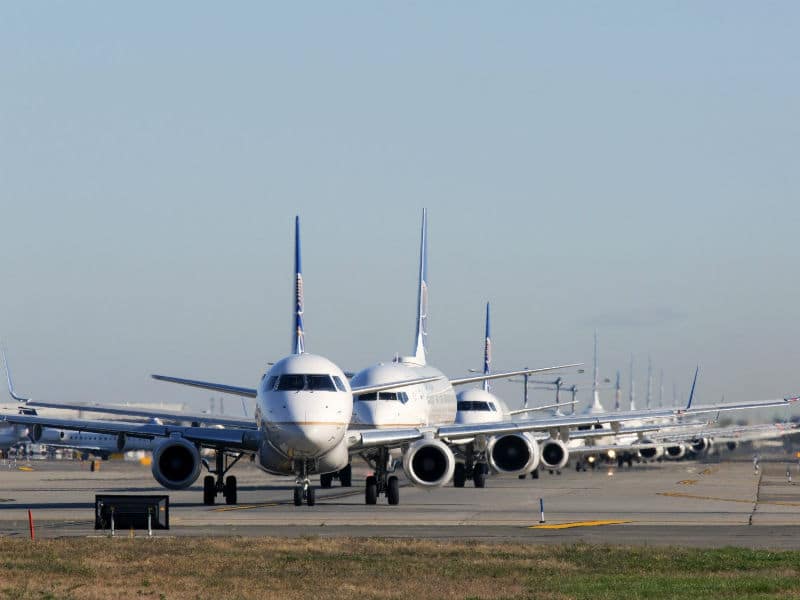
{"x":299,"y":333}
{"x":421,"y":339}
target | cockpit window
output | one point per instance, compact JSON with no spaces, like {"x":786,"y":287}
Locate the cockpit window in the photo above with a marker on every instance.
{"x":473,"y":405}
{"x":315,"y":382}
{"x":368,"y":397}
{"x":339,"y":384}
{"x":271,"y":382}
{"x":291,"y":383}
{"x":322,"y":383}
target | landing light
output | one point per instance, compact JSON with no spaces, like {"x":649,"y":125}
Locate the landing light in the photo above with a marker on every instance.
{"x":612,"y":454}
{"x":590,"y":459}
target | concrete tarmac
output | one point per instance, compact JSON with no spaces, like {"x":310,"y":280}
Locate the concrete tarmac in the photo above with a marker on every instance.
{"x":682,"y":504}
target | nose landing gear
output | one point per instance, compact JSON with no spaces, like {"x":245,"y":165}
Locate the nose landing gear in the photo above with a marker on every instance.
{"x":303,"y":490}
{"x":381,"y":482}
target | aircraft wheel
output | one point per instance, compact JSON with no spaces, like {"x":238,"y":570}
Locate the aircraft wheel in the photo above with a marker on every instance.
{"x":209,"y":490}
{"x":298,"y":495}
{"x":535,"y":474}
{"x":393,"y":491}
{"x":523,"y":476}
{"x":310,"y":496}
{"x":230,"y":491}
{"x":479,"y":475}
{"x":325,"y":480}
{"x":371,"y":490}
{"x":459,"y":475}
{"x":346,"y":476}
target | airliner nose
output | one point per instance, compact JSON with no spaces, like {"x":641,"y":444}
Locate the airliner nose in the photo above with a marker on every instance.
{"x":310,"y":439}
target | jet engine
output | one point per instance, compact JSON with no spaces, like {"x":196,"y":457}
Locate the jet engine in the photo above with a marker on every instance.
{"x":429,"y":463}
{"x":176,"y":463}
{"x":732,"y":445}
{"x":514,"y":454}
{"x":675,"y":452}
{"x":700,"y":445}
{"x":652,"y":452}
{"x":35,"y":433}
{"x":554,"y":454}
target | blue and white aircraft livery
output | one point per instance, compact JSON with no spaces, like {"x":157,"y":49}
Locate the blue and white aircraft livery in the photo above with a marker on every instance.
{"x":304,"y":405}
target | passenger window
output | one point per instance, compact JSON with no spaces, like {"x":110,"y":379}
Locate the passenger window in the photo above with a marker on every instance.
{"x":322,"y":383}
{"x":290,"y":383}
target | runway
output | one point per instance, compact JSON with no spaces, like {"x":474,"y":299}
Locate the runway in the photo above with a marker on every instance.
{"x":705,"y":505}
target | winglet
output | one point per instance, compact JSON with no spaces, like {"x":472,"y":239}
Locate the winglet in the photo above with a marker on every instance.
{"x":10,"y":382}
{"x":487,"y":351}
{"x":299,"y":333}
{"x":694,"y":382}
{"x":422,"y":295}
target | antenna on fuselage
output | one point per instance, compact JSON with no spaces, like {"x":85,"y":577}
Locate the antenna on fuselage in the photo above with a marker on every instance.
{"x":299,"y":334}
{"x":487,"y":352}
{"x":422,"y":295}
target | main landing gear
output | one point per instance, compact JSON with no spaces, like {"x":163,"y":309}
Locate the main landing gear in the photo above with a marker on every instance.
{"x":472,"y":468}
{"x":345,"y":477}
{"x":381,"y":482}
{"x":212,"y":486}
{"x":303,"y":491}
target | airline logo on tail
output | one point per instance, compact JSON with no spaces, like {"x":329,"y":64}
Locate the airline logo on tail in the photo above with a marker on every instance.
{"x":422,"y":308}
{"x":299,"y":336}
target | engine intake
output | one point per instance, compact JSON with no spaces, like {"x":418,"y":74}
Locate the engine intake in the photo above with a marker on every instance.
{"x":700,"y":445}
{"x":651,"y":452}
{"x":176,"y":463}
{"x":675,"y":452}
{"x":554,"y":454}
{"x":429,"y":463}
{"x":513,"y":454}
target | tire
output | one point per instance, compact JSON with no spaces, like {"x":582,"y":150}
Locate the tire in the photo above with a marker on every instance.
{"x":325,"y":480}
{"x":209,"y":490}
{"x":523,"y":476}
{"x":393,"y":491}
{"x":230,"y":491}
{"x":535,"y":474}
{"x":371,"y":490}
{"x":459,"y":475}
{"x":479,"y":476}
{"x":346,"y":476}
{"x":310,"y":496}
{"x":298,"y":495}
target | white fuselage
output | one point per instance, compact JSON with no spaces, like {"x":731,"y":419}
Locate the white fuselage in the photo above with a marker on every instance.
{"x":431,"y":403}
{"x":303,"y":409}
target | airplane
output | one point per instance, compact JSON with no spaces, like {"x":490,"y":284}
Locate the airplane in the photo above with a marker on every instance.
{"x":302,"y":422}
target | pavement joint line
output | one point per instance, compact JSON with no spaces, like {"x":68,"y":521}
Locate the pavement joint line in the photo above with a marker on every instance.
{"x":740,"y":500}
{"x":578,"y":524}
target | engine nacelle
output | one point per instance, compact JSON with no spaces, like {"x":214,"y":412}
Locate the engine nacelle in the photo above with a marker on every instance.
{"x":675,"y":452}
{"x":554,"y":454}
{"x":513,"y":454}
{"x":732,"y":445}
{"x":35,"y":433}
{"x":700,"y":445}
{"x":176,"y":463}
{"x":429,"y":463}
{"x":652,"y":452}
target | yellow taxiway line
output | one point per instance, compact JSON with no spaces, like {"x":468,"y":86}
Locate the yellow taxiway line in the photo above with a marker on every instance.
{"x":577,"y":524}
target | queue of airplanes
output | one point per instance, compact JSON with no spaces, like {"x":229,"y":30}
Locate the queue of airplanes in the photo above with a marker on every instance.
{"x":313,"y":418}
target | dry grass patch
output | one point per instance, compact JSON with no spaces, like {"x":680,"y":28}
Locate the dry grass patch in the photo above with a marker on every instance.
{"x":233,"y":568}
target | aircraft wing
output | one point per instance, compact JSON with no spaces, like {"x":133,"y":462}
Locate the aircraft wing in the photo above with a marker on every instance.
{"x":156,"y":413}
{"x":240,"y":439}
{"x":208,"y":385}
{"x":358,"y":440}
{"x":252,"y":393}
{"x":479,"y":378}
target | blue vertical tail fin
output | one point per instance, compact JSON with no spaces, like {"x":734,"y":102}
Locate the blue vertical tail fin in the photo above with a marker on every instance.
{"x":299,"y":333}
{"x":694,"y":383}
{"x":487,"y":351}
{"x":421,"y":340}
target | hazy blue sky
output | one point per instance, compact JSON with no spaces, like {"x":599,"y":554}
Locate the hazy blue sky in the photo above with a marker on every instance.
{"x":626,"y":166}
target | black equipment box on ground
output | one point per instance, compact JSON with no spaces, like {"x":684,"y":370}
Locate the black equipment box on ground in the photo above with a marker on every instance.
{"x":131,"y":512}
